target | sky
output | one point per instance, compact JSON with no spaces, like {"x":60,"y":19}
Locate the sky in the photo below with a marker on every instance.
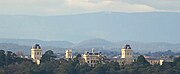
{"x":68,"y":7}
{"x":71,"y":7}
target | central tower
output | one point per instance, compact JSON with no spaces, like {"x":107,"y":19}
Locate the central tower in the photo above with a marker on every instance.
{"x":36,"y":53}
{"x":69,"y":54}
{"x":126,"y":54}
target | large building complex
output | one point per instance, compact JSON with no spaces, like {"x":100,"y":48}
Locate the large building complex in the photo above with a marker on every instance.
{"x":92,"y":58}
{"x":36,"y":53}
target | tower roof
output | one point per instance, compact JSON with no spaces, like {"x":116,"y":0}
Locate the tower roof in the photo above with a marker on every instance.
{"x":36,"y":46}
{"x":127,"y":46}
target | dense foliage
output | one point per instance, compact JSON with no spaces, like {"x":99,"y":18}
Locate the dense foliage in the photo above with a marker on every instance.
{"x":11,"y":64}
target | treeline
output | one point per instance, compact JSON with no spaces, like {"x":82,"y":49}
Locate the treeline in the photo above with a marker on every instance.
{"x":8,"y":58}
{"x":51,"y":66}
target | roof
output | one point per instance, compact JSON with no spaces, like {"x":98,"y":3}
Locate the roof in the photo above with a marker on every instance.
{"x":93,"y":53}
{"x":127,"y":46}
{"x":36,"y":46}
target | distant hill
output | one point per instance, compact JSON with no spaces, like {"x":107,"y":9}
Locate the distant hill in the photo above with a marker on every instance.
{"x":14,"y":47}
{"x":99,"y":44}
{"x":30,"y":42}
{"x":146,"y":31}
{"x":136,"y":46}
{"x":145,"y":27}
{"x":25,"y":45}
{"x":93,"y":43}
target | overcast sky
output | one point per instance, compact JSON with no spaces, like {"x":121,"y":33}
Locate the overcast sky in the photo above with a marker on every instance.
{"x":66,"y":7}
{"x":151,"y":28}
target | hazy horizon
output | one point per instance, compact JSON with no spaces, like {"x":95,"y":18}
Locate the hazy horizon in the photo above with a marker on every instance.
{"x":144,"y":27}
{"x":78,"y":20}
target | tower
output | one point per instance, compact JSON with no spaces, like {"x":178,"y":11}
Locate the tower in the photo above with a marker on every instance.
{"x":36,"y":53}
{"x":126,"y":54}
{"x":69,"y":54}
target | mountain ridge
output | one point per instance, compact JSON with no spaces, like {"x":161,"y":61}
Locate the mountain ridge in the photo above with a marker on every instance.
{"x":100,"y":44}
{"x":144,"y":27}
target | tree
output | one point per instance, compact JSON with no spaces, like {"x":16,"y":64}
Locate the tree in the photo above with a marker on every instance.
{"x":176,"y":60}
{"x":124,"y":72}
{"x":9,"y":57}
{"x":142,"y":61}
{"x":114,"y":65}
{"x":26,"y":67}
{"x":82,"y":69}
{"x":2,"y":58}
{"x":101,"y":68}
{"x":46,"y":68}
{"x":48,"y":56}
{"x":78,"y":56}
{"x":66,"y":68}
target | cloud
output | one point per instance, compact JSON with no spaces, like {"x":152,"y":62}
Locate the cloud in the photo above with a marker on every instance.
{"x":109,"y":5}
{"x":61,"y":7}
{"x":165,"y":5}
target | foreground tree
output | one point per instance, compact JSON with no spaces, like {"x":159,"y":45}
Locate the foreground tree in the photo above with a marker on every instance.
{"x":142,"y":61}
{"x":107,"y":68}
{"x":48,"y":56}
{"x":2,"y":58}
{"x":66,"y":68}
{"x":83,"y":69}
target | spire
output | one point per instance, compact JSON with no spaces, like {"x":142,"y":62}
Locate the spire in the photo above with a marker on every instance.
{"x":92,"y":50}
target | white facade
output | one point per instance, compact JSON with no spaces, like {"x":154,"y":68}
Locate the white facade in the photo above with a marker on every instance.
{"x":69,"y":54}
{"x":36,"y":53}
{"x":127,"y":54}
{"x":92,"y":58}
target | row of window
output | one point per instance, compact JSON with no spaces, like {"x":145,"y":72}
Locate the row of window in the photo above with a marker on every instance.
{"x":37,"y":57}
{"x":93,"y":61}
{"x":154,"y":62}
{"x":93,"y":58}
{"x":127,"y":54}
{"x":37,"y":53}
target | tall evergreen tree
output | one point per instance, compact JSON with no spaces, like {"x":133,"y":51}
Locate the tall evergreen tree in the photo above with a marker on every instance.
{"x":142,"y":61}
{"x":2,"y":58}
{"x":48,"y":56}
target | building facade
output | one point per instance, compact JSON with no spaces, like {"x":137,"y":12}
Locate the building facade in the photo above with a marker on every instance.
{"x":158,"y":61}
{"x":36,"y":53}
{"x":92,"y":58}
{"x":126,"y":54}
{"x":68,"y":54}
{"x":155,"y":61}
